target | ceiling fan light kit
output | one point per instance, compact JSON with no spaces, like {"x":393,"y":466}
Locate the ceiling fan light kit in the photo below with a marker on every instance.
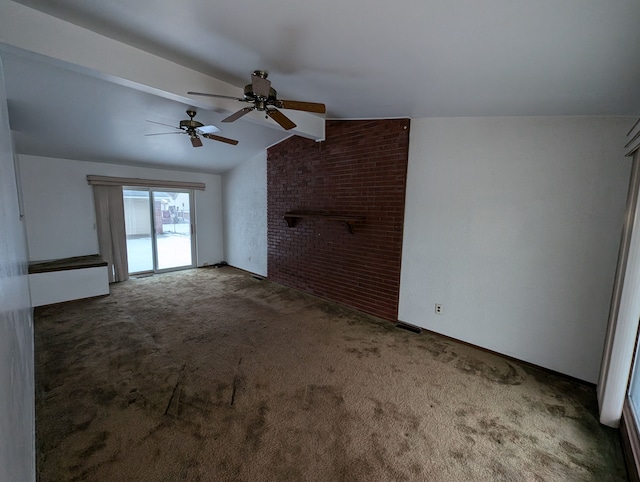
{"x":193,"y":129}
{"x":265,"y":99}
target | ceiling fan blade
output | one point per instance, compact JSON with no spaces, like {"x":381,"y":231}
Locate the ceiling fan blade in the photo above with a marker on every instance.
{"x":281,"y":119}
{"x":195,"y":141}
{"x":261,"y":85}
{"x":164,"y":133}
{"x":215,"y":95}
{"x":208,"y":129}
{"x":237,"y":115}
{"x":166,"y":125}
{"x":305,"y":106}
{"x":213,"y":137}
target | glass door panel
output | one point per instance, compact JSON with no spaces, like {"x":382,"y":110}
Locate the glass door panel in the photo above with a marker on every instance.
{"x":138,"y":228}
{"x":172,"y":215}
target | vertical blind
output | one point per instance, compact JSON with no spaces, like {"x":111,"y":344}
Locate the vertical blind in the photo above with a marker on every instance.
{"x":634,"y":139}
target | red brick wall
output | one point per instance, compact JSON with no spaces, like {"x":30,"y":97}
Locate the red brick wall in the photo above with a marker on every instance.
{"x":359,"y":170}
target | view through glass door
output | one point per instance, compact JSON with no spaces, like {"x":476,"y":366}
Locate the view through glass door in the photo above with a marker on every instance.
{"x":634,"y":386}
{"x":158,"y":228}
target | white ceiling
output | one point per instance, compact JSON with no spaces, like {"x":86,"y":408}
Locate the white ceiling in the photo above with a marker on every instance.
{"x":57,"y":112}
{"x":363,"y":59}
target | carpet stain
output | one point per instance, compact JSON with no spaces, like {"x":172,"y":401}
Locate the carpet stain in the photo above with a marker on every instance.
{"x":319,"y":397}
{"x":556,"y":410}
{"x":98,"y":443}
{"x":504,"y":375}
{"x":491,"y":428}
{"x":364,"y":352}
{"x":103,"y":396}
{"x":256,"y":427}
{"x":221,"y":390}
{"x":570,"y":448}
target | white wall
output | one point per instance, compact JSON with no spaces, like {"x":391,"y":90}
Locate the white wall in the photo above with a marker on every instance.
{"x":513,"y":225}
{"x":244,"y":191}
{"x":59,"y":212}
{"x":17,"y":385}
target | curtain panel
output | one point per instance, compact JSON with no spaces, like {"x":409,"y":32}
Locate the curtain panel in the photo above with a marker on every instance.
{"x":112,"y":240}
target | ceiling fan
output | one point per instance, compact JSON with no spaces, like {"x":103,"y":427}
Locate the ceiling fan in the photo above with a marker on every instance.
{"x":264,"y":99}
{"x":194,"y":128}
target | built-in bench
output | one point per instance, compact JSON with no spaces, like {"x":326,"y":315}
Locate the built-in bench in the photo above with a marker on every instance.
{"x":67,"y":279}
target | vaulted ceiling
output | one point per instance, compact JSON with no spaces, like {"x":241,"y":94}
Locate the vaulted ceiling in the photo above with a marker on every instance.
{"x":84,"y":77}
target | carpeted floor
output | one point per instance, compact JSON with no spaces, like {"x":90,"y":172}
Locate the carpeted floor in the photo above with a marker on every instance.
{"x":214,"y":375}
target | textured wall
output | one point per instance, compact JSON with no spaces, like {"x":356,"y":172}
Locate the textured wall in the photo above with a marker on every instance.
{"x":513,"y":225}
{"x":17,"y":437}
{"x":244,"y":194}
{"x":361,"y":170}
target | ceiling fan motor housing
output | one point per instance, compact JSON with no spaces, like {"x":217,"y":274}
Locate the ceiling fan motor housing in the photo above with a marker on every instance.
{"x":190,"y":124}
{"x":250,"y":96}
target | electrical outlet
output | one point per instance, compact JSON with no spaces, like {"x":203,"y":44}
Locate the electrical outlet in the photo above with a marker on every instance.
{"x":438,"y":309}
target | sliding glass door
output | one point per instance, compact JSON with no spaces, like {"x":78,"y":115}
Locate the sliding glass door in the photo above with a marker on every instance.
{"x":159,"y":229}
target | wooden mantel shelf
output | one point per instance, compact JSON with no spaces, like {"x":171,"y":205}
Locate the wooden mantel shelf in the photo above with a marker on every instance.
{"x":292,"y":218}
